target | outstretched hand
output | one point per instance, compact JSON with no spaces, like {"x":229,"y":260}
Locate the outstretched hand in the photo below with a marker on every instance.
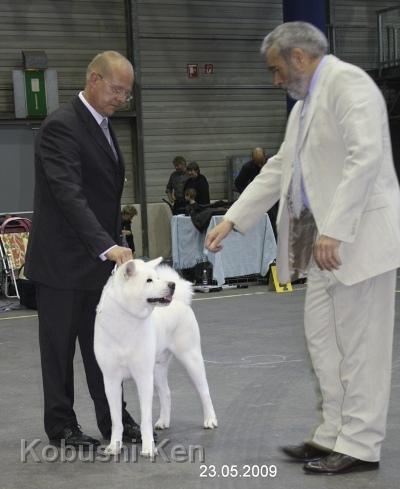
{"x":217,"y":234}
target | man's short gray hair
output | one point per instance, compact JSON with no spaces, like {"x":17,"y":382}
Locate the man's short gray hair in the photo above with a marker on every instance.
{"x":105,"y":61}
{"x":291,"y":35}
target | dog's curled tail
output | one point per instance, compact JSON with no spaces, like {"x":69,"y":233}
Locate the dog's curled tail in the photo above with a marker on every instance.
{"x":183,"y":288}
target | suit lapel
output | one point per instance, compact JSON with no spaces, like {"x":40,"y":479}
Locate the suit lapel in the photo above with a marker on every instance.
{"x":313,"y":102}
{"x":98,"y":135}
{"x":95,"y":130}
{"x":115,"y":141}
{"x":120,"y":162}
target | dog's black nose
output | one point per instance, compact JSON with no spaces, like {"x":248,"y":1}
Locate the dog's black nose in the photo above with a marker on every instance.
{"x":171,"y":285}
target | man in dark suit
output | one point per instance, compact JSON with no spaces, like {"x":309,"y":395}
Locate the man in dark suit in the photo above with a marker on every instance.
{"x":74,"y":242}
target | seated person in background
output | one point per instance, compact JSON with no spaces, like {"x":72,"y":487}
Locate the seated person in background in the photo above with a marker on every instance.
{"x":175,"y":185}
{"x":190,"y":199}
{"x":190,"y":196}
{"x":199,"y":183}
{"x":127,"y":214}
{"x":251,"y":169}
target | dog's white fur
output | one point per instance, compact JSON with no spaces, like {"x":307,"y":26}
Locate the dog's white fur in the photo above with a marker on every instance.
{"x":135,"y":339}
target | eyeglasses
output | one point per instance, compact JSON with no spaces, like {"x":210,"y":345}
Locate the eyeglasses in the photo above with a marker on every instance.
{"x":119,"y":91}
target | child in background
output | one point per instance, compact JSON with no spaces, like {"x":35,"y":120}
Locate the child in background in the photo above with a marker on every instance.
{"x":127,"y":214}
{"x":190,"y":198}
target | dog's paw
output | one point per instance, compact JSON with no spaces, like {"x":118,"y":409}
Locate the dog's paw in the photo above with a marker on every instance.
{"x":161,"y":425}
{"x":210,"y":422}
{"x":150,"y":452}
{"x":113,"y":448}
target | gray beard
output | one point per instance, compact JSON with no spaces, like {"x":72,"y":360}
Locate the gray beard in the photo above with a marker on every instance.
{"x":298,"y":91}
{"x":297,"y":88}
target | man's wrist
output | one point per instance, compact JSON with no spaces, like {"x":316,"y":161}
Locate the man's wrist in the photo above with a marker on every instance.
{"x":103,"y":256}
{"x":231,"y":223}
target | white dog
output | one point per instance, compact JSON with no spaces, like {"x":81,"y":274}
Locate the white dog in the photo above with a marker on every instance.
{"x":135,"y":339}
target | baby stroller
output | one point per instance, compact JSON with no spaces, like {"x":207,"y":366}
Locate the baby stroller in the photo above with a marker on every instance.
{"x":14,"y":234}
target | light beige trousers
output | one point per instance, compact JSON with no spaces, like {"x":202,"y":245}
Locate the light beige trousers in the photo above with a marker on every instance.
{"x":349,"y":332}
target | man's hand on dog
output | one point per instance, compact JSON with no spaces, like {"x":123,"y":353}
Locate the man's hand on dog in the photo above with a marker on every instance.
{"x":119,"y":254}
{"x":217,"y":234}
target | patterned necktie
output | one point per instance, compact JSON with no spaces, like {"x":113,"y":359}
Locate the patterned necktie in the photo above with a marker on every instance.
{"x":106,"y":131}
{"x":297,"y":203}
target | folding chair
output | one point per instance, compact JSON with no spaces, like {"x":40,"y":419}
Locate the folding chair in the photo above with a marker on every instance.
{"x":14,"y":234}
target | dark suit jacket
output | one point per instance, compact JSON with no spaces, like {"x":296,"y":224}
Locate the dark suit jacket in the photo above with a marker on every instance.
{"x":247,"y":174}
{"x":78,"y":187}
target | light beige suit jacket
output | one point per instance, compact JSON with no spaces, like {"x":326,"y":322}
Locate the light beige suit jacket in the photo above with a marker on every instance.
{"x":348,"y":173}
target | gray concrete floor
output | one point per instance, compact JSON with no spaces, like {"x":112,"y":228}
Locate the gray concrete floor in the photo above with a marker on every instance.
{"x":263,"y":390}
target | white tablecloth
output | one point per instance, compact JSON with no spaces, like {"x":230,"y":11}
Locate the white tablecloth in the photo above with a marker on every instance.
{"x":241,"y":254}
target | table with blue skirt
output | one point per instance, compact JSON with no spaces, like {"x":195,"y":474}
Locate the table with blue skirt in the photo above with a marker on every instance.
{"x":242,"y":255}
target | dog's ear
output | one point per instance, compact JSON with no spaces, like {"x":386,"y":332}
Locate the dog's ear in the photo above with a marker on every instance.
{"x":154,"y":263}
{"x":129,"y":269}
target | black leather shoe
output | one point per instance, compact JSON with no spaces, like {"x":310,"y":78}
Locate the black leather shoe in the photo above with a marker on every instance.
{"x":339,"y":463}
{"x":305,"y":452}
{"x":73,"y":436}
{"x":131,"y":433}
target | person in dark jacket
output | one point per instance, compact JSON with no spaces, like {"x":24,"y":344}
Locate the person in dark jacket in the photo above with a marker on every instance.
{"x":251,"y":169}
{"x":248,"y":173}
{"x":176,"y":184}
{"x":127,"y":214}
{"x":199,"y":183}
{"x":75,"y":241}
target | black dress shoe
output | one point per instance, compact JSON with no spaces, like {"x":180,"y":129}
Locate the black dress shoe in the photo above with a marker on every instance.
{"x":131,"y":433}
{"x":73,"y":436}
{"x":304,"y":452}
{"x":339,"y":463}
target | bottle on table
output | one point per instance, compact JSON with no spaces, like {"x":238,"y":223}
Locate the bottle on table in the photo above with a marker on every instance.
{"x":204,"y":277}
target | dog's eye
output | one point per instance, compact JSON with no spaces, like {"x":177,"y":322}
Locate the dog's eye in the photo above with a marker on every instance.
{"x":149,"y":280}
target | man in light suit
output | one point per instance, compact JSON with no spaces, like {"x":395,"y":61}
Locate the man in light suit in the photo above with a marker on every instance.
{"x":74,"y":242}
{"x":339,"y":221}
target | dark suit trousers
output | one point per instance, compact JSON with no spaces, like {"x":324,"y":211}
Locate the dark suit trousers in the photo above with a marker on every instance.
{"x":64,"y":317}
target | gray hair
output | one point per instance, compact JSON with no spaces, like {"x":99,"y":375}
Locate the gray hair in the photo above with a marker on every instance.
{"x":291,"y":35}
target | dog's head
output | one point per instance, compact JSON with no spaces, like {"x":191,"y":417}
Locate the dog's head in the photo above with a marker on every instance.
{"x":139,"y":289}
